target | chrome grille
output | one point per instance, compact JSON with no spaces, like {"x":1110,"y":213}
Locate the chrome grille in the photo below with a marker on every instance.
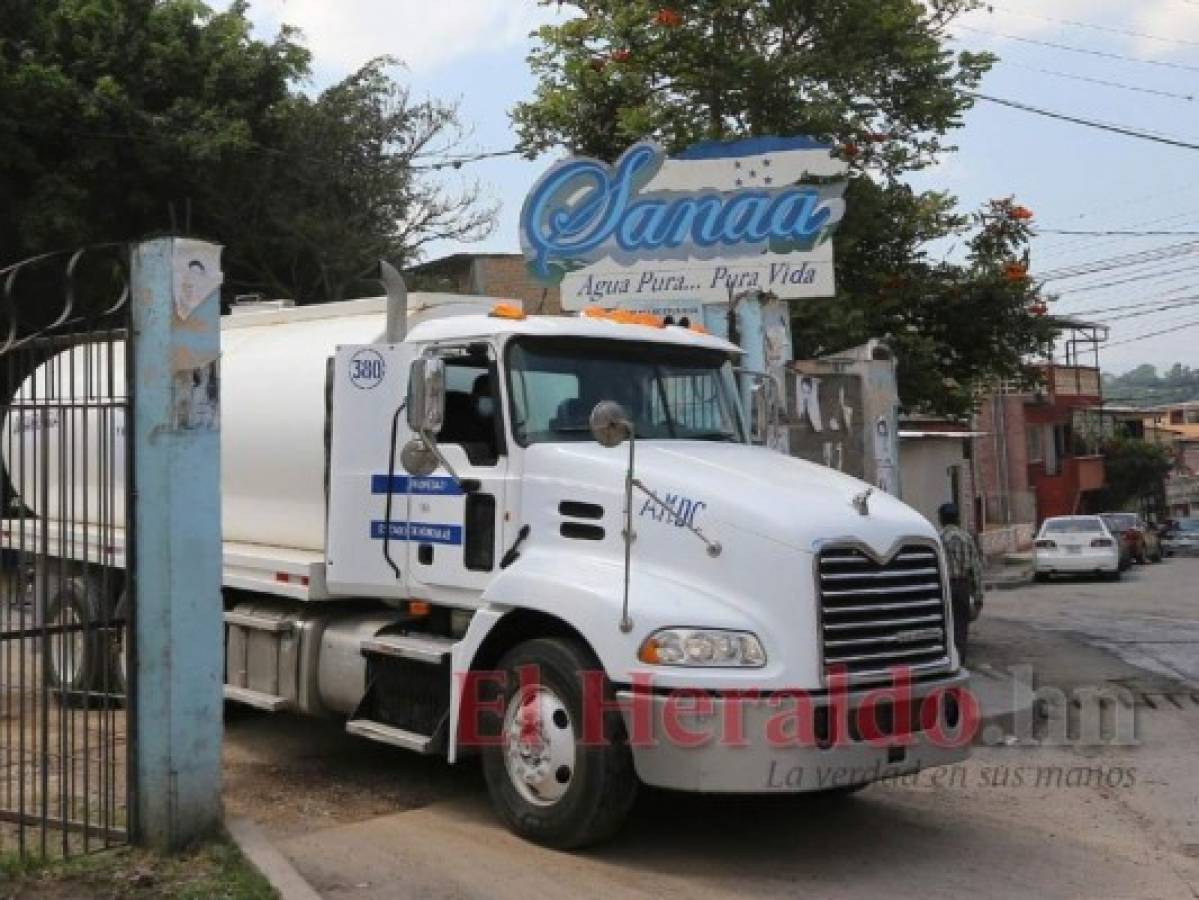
{"x":878,"y":616}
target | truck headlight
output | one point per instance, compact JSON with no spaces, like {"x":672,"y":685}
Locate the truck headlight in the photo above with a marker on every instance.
{"x":702,"y":647}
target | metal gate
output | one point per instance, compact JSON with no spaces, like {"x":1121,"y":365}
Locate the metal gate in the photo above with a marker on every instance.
{"x":65,"y":601}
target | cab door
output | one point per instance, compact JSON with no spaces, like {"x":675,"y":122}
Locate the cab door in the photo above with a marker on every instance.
{"x":455,"y":529}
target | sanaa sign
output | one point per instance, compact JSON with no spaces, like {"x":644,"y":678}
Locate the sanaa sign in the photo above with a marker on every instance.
{"x":715,"y":221}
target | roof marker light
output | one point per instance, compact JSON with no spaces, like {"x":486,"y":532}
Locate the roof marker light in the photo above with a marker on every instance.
{"x":507,"y":311}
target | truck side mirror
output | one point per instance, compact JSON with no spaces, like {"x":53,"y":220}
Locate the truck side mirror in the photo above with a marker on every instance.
{"x":417,"y":459}
{"x":426,"y":395}
{"x":610,"y":424}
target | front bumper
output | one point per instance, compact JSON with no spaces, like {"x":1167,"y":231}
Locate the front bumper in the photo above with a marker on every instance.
{"x":755,"y":758}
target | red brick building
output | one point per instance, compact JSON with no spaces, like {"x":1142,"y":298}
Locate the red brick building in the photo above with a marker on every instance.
{"x":488,"y":274}
{"x":1034,"y":461}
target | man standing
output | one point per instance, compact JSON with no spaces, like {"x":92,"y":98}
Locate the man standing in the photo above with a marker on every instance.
{"x":965,"y":573}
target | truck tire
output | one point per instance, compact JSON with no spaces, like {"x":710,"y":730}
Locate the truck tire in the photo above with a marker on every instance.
{"x":553,"y":789}
{"x":78,"y":661}
{"x":118,"y":649}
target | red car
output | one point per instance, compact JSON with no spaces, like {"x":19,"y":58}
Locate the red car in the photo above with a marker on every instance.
{"x":1141,"y":545}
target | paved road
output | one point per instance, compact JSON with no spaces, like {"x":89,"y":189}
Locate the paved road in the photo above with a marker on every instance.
{"x":1150,"y":618}
{"x":1046,"y":820}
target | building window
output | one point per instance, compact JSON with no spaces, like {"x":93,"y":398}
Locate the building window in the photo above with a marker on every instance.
{"x":1052,"y":450}
{"x":1176,"y":417}
{"x":1036,"y":448}
{"x":1193,"y":416}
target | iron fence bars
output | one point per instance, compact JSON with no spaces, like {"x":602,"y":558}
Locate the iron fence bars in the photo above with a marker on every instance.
{"x":66,"y":604}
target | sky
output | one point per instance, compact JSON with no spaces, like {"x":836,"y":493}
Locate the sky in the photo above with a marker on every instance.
{"x":1074,"y":178}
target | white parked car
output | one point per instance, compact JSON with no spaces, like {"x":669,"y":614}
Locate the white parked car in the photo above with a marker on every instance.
{"x":1076,"y":545}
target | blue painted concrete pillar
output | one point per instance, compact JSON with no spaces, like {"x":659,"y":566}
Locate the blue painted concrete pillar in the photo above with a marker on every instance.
{"x":177,"y":540}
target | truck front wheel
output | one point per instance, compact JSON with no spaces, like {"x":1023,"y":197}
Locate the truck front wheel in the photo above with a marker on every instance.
{"x":547,"y":784}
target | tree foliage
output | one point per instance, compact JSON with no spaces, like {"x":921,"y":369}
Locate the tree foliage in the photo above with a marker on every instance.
{"x":1144,"y":386}
{"x":1135,"y":473}
{"x":126,"y":118}
{"x":874,"y":78}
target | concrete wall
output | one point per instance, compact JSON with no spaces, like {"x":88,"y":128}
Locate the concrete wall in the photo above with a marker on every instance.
{"x":996,"y":542}
{"x":925,"y":464}
{"x":859,"y":447}
{"x":1001,"y":459}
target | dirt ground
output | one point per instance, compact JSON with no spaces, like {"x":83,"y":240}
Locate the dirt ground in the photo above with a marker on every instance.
{"x":293,"y":775}
{"x":1047,"y":820}
{"x":60,"y":759}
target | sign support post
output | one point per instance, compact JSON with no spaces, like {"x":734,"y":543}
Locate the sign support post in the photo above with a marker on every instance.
{"x":176,"y":557}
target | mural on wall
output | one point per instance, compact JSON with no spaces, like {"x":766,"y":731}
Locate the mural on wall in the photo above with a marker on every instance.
{"x":825,"y":419}
{"x":886,"y":452}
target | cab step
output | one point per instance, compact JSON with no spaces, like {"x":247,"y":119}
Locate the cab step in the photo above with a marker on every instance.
{"x":425,"y":744}
{"x":256,"y":699}
{"x":432,"y":649}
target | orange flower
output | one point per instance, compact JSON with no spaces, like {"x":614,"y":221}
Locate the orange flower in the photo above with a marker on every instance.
{"x":668,"y":18}
{"x":1015,"y":271}
{"x":1020,"y":213}
{"x":622,"y":55}
{"x":1038,"y":309}
{"x":850,"y":150}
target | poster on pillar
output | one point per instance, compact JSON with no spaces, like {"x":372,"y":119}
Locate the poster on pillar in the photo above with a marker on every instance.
{"x":716,"y":221}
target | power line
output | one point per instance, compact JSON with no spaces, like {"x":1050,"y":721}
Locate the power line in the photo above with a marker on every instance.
{"x":1086,"y":51}
{"x":157,"y":135}
{"x":1110,"y":233}
{"x":1088,"y":267}
{"x":1089,"y":123}
{"x":1074,"y":23}
{"x":1140,"y":278}
{"x":1067,"y":246}
{"x":1169,"y":297}
{"x":457,"y":162}
{"x":1100,"y":81}
{"x":1193,"y":323}
{"x":1141,"y":313}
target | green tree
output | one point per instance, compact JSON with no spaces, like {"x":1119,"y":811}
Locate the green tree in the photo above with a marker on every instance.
{"x":125,"y":118}
{"x":875,"y":79}
{"x":1135,"y":472}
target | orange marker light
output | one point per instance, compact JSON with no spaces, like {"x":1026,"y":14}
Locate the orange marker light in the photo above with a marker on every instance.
{"x":419,"y":608}
{"x":507,"y":311}
{"x":649,"y":652}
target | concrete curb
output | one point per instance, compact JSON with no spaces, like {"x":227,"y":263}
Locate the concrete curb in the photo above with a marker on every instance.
{"x":274,"y":866}
{"x":1008,"y":578}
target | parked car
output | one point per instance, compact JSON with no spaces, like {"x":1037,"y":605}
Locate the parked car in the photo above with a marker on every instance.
{"x":1076,"y":545}
{"x":1182,"y":538}
{"x":1142,"y":542}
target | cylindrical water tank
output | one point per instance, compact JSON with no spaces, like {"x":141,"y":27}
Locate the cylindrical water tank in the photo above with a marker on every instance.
{"x":272,"y":420}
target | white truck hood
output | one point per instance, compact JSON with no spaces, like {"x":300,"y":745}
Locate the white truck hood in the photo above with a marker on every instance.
{"x":752,"y":490}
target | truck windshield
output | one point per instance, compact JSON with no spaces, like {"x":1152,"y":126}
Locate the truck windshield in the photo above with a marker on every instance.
{"x":669,"y":392}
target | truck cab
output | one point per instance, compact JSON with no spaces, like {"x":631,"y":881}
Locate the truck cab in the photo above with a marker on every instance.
{"x":552,"y":541}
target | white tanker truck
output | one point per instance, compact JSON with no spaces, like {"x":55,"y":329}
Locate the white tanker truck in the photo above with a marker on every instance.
{"x":551,"y":541}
